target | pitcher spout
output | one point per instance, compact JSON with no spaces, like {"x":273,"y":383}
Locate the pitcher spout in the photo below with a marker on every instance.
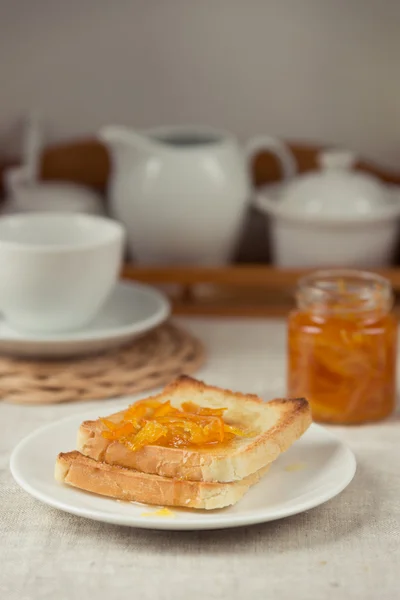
{"x":115,"y":135}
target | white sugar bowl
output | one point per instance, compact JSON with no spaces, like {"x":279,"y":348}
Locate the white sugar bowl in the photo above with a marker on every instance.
{"x":332,"y":217}
{"x":25,"y":194}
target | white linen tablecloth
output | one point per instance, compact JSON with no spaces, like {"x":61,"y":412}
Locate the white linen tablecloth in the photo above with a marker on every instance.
{"x":348,"y":548}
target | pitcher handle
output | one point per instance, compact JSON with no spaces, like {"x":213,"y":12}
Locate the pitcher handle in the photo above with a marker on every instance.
{"x":273,"y":145}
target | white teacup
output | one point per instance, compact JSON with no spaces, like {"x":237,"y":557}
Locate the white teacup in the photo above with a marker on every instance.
{"x":57,"y":269}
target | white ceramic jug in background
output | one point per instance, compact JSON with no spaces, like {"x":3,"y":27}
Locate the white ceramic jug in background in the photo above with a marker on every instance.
{"x":182,"y":192}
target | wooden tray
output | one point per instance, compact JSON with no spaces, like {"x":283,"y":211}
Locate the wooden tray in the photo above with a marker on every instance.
{"x":251,"y":291}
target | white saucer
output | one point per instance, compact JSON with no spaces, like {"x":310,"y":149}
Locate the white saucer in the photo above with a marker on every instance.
{"x":132,"y":309}
{"x":312,"y":471}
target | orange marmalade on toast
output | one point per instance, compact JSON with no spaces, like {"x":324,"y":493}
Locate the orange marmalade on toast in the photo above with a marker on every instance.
{"x":342,"y":346}
{"x":150,"y":421}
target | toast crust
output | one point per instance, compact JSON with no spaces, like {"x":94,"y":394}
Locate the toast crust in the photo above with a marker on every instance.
{"x":77,"y":470}
{"x":279,"y":423}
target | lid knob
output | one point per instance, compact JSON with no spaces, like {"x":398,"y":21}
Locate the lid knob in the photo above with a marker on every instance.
{"x":337,"y":159}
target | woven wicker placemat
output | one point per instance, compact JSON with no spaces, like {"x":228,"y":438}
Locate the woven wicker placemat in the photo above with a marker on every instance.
{"x":149,"y":362}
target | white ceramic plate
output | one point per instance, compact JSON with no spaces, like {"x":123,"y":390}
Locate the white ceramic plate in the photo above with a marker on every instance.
{"x":132,"y":310}
{"x":315,"y":469}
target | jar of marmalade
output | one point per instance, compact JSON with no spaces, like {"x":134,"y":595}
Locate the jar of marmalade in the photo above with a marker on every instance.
{"x":342,"y":346}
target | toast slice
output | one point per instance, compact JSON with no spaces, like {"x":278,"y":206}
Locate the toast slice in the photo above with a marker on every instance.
{"x":133,"y":486}
{"x":275,"y":424}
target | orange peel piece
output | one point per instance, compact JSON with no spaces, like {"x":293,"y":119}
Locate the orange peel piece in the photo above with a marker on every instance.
{"x":153,"y":422}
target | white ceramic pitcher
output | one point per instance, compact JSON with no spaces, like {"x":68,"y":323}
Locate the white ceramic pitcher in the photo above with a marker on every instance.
{"x":182,"y":192}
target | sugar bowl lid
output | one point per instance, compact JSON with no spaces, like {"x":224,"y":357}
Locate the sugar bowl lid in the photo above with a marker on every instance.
{"x":335,"y":191}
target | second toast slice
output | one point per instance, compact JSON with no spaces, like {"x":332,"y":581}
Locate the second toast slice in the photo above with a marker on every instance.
{"x":129,"y":485}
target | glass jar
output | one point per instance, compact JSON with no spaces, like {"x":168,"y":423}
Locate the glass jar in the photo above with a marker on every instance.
{"x":342,"y":344}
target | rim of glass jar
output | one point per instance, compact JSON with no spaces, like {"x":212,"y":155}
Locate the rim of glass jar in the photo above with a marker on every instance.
{"x":318,"y":298}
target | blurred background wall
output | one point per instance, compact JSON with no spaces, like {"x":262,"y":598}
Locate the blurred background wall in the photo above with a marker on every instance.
{"x":322,"y":70}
